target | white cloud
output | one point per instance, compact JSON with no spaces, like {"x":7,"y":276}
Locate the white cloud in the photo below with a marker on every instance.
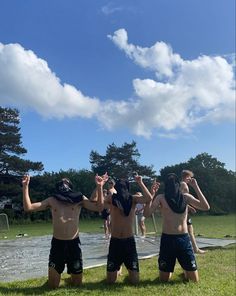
{"x":27,"y":81}
{"x":159,"y":57}
{"x":185,"y":92}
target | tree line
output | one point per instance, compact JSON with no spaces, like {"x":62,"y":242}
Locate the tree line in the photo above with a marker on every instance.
{"x":216,"y":182}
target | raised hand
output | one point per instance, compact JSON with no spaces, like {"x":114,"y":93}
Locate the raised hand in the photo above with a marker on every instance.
{"x":25,"y":180}
{"x":154,"y":188}
{"x":105,"y":177}
{"x":193,"y":183}
{"x":101,"y":180}
{"x":138,"y":178}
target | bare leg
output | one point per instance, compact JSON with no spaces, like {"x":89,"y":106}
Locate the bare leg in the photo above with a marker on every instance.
{"x":165,"y":276}
{"x":109,"y":225}
{"x":142,"y":227}
{"x":193,"y":241}
{"x":53,"y":278}
{"x":105,"y":228}
{"x":76,"y":279}
{"x":191,"y":275}
{"x":133,"y":277}
{"x":112,"y":277}
{"x":200,"y":251}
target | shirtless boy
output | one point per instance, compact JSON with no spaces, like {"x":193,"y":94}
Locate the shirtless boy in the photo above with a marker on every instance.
{"x":65,"y":207}
{"x":105,"y":213}
{"x":122,"y":248}
{"x":186,"y":178}
{"x":175,"y":241}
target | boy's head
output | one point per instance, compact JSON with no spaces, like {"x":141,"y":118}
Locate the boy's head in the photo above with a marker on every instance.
{"x":111,"y":182}
{"x":64,"y":185}
{"x":186,"y":175}
{"x":173,"y":195}
{"x":122,"y":187}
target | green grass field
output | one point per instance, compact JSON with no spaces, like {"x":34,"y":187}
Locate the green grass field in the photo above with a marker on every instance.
{"x":206,"y":226}
{"x":216,"y":267}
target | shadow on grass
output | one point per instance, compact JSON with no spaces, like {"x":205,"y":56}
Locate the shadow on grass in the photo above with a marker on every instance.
{"x":85,"y":287}
{"x":13,"y":289}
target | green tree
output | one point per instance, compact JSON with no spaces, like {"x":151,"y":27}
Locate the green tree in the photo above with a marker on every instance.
{"x":11,"y":147}
{"x":12,"y":166}
{"x":216,"y":182}
{"x":120,"y":162}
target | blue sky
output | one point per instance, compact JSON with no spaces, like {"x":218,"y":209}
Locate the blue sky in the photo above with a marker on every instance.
{"x":85,"y":74}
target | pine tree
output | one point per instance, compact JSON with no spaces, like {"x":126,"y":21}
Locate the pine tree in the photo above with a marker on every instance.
{"x":12,"y":166}
{"x":120,"y":162}
{"x":11,"y":147}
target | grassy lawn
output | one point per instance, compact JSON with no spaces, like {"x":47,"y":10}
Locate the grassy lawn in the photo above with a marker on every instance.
{"x":216,"y":267}
{"x":206,"y":226}
{"x":216,"y":270}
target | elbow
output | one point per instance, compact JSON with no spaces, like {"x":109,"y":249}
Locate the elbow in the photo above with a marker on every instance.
{"x":27,"y":209}
{"x":206,"y":207}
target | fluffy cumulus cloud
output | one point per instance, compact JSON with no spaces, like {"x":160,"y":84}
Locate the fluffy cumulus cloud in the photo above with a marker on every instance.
{"x":158,"y":58}
{"x":27,"y":81}
{"x":183,"y":94}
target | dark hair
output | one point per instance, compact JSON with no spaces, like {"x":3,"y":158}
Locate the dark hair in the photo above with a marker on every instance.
{"x":64,"y":185}
{"x":121,"y":185}
{"x":173,"y":195}
{"x":172,"y":185}
{"x":111,"y":181}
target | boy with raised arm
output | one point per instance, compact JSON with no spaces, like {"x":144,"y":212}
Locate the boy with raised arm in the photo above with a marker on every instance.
{"x":175,"y":241}
{"x":122,"y":248}
{"x":185,"y":181}
{"x":65,"y":206}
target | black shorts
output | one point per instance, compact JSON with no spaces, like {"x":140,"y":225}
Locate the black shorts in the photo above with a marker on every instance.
{"x":122,"y":250}
{"x":176,"y":247}
{"x":66,"y":252}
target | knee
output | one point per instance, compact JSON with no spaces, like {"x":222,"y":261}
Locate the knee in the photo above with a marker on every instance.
{"x":164,"y":279}
{"x":111,"y":280}
{"x":165,"y":276}
{"x":76,"y":282}
{"x":133,"y":277}
{"x":134,"y":281}
{"x":53,"y":285}
{"x":192,"y":276}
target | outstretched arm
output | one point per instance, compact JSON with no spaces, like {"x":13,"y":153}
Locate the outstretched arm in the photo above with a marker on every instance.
{"x":94,"y":195}
{"x":184,"y":189}
{"x":201,"y":203}
{"x":147,"y":197}
{"x":154,"y":188}
{"x":27,"y":204}
{"x":99,"y":204}
{"x":151,"y":207}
